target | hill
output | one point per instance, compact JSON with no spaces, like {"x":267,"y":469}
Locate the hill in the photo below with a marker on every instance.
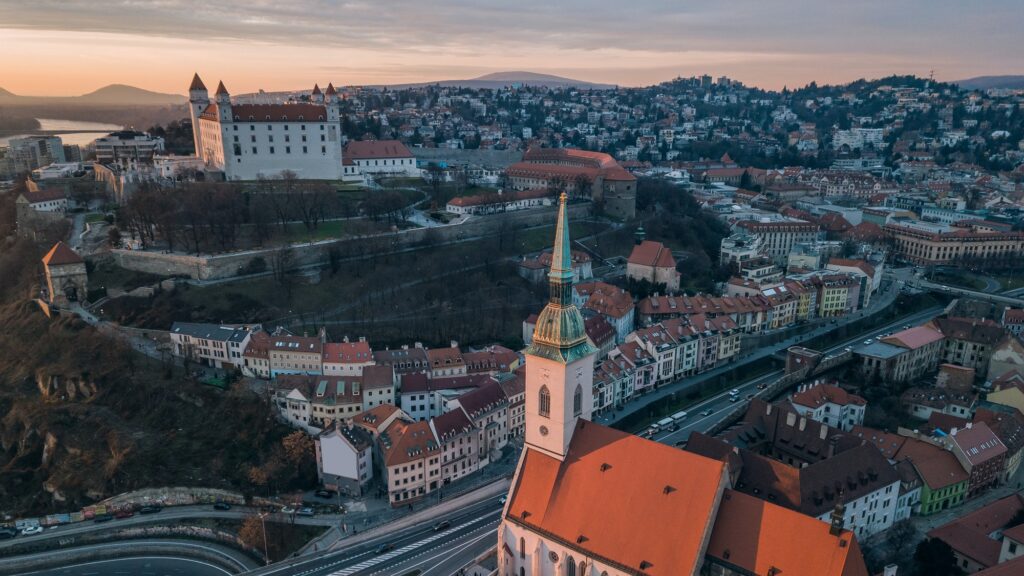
{"x":1013,"y":82}
{"x":112,"y":95}
{"x":497,"y":80}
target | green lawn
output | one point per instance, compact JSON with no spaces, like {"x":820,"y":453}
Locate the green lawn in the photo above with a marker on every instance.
{"x":296,"y":232}
{"x":1010,"y":282}
{"x":94,"y":217}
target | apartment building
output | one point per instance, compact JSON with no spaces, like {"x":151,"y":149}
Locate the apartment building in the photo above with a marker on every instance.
{"x":211,"y":344}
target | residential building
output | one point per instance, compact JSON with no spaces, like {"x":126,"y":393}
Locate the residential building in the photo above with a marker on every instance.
{"x":31,"y":152}
{"x":653,"y":261}
{"x":446,"y":361}
{"x":535,"y":269}
{"x":312,"y":402}
{"x":777,"y":238}
{"x":613,"y":303}
{"x":500,"y":202}
{"x":487,"y":408}
{"x":423,"y":398}
{"x":1007,"y":357}
{"x":830,"y":405}
{"x":346,"y":358}
{"x":344,"y":458}
{"x":411,"y":461}
{"x":979,"y":539}
{"x":379,"y":383}
{"x":1012,"y":320}
{"x":404,"y":360}
{"x":365,"y":160}
{"x":128,"y":146}
{"x":459,"y":441}
{"x":295,"y":354}
{"x":252,"y":141}
{"x":211,"y":344}
{"x":928,"y":244}
{"x":981,"y":453}
{"x":969,"y":342}
{"x":906,"y":355}
{"x":579,"y":172}
{"x":924,"y":402}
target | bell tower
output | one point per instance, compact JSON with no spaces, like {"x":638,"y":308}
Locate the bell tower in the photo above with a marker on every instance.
{"x":560,"y":361}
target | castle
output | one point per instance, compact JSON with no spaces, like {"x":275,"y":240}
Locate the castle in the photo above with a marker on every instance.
{"x":253,"y":141}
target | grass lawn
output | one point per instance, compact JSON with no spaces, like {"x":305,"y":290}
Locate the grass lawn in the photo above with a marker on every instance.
{"x":539,"y":238}
{"x":94,"y":217}
{"x":109,"y":275}
{"x":296,"y":232}
{"x":1010,"y":282}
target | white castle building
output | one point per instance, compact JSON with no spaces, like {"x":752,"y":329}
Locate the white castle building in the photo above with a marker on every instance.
{"x":250,"y":141}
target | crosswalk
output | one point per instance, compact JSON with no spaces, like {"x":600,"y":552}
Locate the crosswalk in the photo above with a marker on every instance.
{"x":371,"y":562}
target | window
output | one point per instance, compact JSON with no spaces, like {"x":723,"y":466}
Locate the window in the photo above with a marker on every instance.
{"x":544,"y":402}
{"x":570,"y":566}
{"x":522,"y":547}
{"x":577,"y":401}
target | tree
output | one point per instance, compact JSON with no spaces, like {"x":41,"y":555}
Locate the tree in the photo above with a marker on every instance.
{"x":435,"y":178}
{"x":281,"y":263}
{"x":935,"y":558}
{"x":252,"y":533}
{"x":298,"y":447}
{"x":114,"y":237}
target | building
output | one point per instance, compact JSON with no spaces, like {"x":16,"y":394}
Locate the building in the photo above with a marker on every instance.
{"x":1013,"y":320}
{"x":981,"y":453}
{"x":344,"y":458}
{"x":403,"y":360}
{"x":31,"y":152}
{"x":346,"y":358}
{"x":411,"y":461}
{"x":535,"y":269}
{"x":1007,"y":357}
{"x":653,"y":262}
{"x":252,"y":141}
{"x":487,"y":408}
{"x":904,"y":356}
{"x":459,"y":441}
{"x":211,"y":345}
{"x":66,"y":278}
{"x":928,"y":244}
{"x":589,"y":500}
{"x":944,"y":480}
{"x":969,"y":342}
{"x":580,"y":173}
{"x":290,"y":354}
{"x":379,"y":384}
{"x":369,"y":159}
{"x":986,"y":537}
{"x":423,"y":398}
{"x":313,"y":402}
{"x":500,"y":202}
{"x":446,"y":362}
{"x":776,"y":238}
{"x":830,"y":405}
{"x":128,"y":146}
{"x":611,"y":302}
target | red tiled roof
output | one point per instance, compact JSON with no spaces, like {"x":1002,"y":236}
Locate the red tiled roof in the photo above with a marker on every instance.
{"x":848,"y":263}
{"x":757,"y":536}
{"x":408,"y":441}
{"x":380,"y":376}
{"x":938,"y":468}
{"x":651,"y":253}
{"x":60,"y":255}
{"x":1014,"y":567}
{"x":821,"y":394}
{"x":914,"y":338}
{"x":371,"y":149}
{"x":616,"y":497}
{"x":44,"y":195}
{"x":347,"y":352}
{"x":978,"y":443}
{"x":969,"y":535}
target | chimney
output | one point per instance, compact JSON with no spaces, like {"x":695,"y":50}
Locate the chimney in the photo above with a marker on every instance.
{"x":890,"y":570}
{"x":836,"y":518}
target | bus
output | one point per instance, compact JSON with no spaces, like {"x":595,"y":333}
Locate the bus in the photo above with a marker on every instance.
{"x":679,"y":416}
{"x":667,"y":424}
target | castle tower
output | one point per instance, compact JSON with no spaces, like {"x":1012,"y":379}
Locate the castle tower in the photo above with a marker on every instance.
{"x":317,"y":96}
{"x":198,"y":99}
{"x":333,"y":106}
{"x":223,"y":104}
{"x":560,"y":361}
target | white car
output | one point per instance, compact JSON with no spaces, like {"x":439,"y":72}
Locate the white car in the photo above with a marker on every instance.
{"x":287,"y":510}
{"x":32,"y":530}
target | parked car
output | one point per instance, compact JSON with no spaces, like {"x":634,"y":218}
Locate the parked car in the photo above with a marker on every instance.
{"x":762,"y":386}
{"x":385,"y":547}
{"x":443,"y":524}
{"x":124,"y":514}
{"x":102,"y":518}
{"x":7,"y":533}
{"x":150,"y":509}
{"x":32,"y":530}
{"x":287,"y":510}
{"x":734,"y":392}
{"x":869,"y":341}
{"x":222,"y":506}
{"x":502,"y":500}
{"x":324,"y":493}
{"x":307,"y":511}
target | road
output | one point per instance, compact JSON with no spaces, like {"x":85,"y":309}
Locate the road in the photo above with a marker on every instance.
{"x":145,"y":566}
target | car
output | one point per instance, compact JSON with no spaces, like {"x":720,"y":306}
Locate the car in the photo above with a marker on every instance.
{"x":734,"y":392}
{"x":707,"y":412}
{"x":124,"y":514}
{"x":7,"y":533}
{"x":222,"y":506}
{"x":382,"y":548}
{"x":762,"y":386}
{"x":442,"y":525}
{"x":307,"y":511}
{"x":848,"y":349}
{"x":150,"y":509}
{"x":287,"y":510}
{"x":869,"y":341}
{"x":102,"y":518}
{"x":734,"y":398}
{"x":32,"y":530}
{"x":323,"y":493}
{"x":680,"y":443}
{"x":503,"y":499}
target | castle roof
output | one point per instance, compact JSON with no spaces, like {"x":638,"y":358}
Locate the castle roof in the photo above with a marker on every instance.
{"x":60,"y":255}
{"x":197,"y":83}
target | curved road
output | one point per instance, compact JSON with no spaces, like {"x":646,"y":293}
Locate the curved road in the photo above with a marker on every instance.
{"x":144,"y":566}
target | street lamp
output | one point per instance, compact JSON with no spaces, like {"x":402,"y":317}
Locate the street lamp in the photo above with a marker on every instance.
{"x":263,"y":522}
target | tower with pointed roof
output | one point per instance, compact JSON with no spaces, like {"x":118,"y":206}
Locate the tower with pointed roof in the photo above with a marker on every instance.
{"x":332,"y":103}
{"x":66,"y":276}
{"x":560,"y":360}
{"x":199,"y":100}
{"x":223,"y":103}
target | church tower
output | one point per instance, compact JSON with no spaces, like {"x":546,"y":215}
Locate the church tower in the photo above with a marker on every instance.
{"x":198,"y":99}
{"x":560,"y":361}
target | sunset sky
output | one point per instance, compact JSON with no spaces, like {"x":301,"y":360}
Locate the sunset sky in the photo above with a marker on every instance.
{"x":70,"y":47}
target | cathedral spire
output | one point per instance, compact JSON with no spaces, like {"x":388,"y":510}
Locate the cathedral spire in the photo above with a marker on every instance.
{"x":561,"y":258}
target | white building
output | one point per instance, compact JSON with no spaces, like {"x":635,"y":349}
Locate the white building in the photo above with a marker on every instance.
{"x":346,"y":358}
{"x":252,"y":141}
{"x":210,"y":344}
{"x":830,"y":405}
{"x":366,"y":159}
{"x":127,"y":145}
{"x":175,"y":166}
{"x":56,"y":170}
{"x":344,"y":458}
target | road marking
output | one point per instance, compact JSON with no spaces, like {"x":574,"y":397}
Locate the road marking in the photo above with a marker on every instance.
{"x":207,"y":564}
{"x":492,"y":532}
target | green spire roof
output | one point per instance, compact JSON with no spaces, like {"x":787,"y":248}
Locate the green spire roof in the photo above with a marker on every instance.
{"x":560,"y":334}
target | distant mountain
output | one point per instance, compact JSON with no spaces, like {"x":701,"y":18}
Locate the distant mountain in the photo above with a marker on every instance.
{"x":112,"y":95}
{"x":503,"y":79}
{"x":988,"y":82}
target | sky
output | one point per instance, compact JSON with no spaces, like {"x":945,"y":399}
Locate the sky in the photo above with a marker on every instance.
{"x":69,"y":47}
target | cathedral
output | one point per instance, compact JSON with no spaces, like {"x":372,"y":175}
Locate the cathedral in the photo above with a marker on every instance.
{"x":253,"y":141}
{"x":588,"y":500}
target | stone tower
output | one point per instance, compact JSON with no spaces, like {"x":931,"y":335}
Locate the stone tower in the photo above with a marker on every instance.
{"x":66,"y":278}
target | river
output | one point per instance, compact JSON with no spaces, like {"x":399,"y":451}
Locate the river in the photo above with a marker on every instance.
{"x":151,"y":566}
{"x":81,"y":138}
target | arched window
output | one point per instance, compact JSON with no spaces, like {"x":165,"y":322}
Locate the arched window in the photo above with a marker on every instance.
{"x":522,"y":571}
{"x":522,"y":547}
{"x":583,"y":568}
{"x":570,"y":567}
{"x":544,"y":402}
{"x":577,"y":401}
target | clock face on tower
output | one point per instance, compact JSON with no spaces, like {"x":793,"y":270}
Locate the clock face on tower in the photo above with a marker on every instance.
{"x":543,"y":430}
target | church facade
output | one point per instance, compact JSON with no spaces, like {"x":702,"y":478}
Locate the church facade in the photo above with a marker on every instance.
{"x":253,"y":141}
